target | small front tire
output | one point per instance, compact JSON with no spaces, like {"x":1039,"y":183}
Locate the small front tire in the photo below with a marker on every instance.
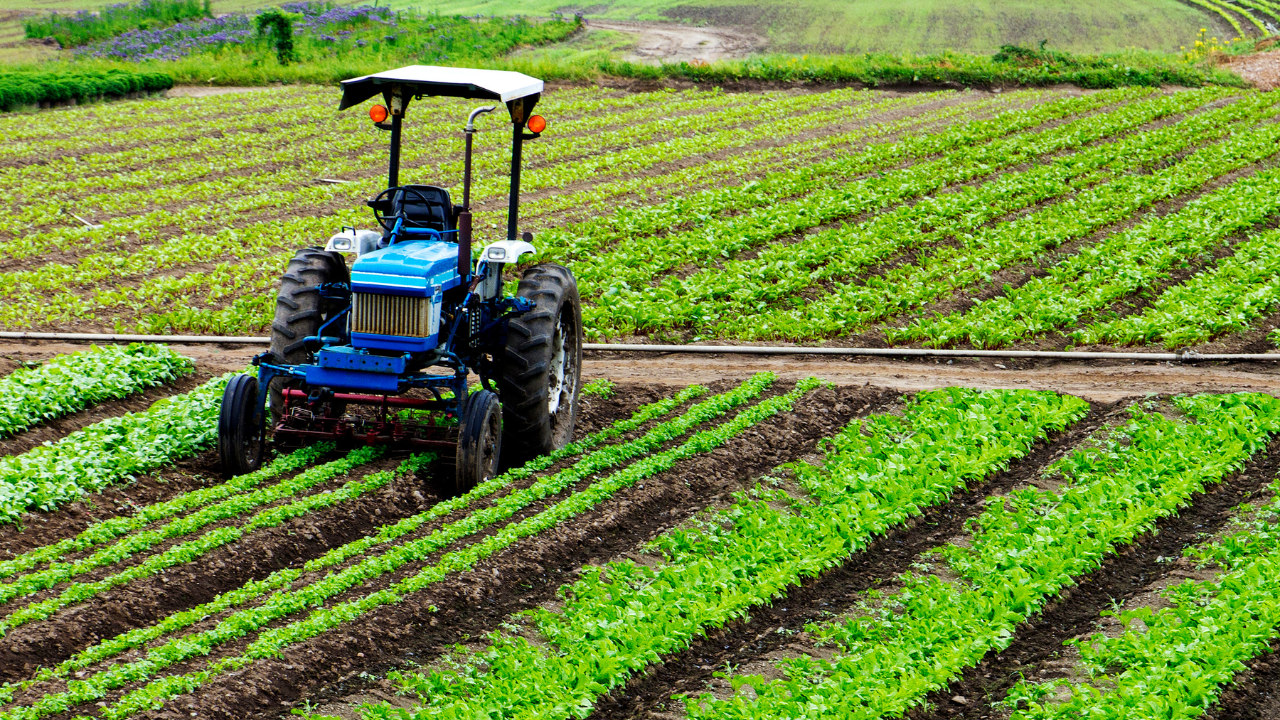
{"x":479,"y":441}
{"x":240,"y":424}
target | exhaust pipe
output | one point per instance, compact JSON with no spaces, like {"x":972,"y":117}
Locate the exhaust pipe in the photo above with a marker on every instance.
{"x":464,"y":217}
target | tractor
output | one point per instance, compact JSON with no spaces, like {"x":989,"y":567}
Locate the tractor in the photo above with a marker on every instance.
{"x":381,"y":352}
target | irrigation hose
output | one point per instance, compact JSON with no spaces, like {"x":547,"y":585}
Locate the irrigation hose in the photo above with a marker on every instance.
{"x":1182,"y":356}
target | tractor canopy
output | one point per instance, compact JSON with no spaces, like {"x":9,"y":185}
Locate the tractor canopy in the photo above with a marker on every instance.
{"x":432,"y":80}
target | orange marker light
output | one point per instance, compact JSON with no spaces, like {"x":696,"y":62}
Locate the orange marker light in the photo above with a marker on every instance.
{"x":377,"y":113}
{"x":537,"y":124}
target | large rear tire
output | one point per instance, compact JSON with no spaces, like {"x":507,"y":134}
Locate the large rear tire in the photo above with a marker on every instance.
{"x":541,"y":367}
{"x":240,"y":441}
{"x":479,"y":441}
{"x":300,"y":313}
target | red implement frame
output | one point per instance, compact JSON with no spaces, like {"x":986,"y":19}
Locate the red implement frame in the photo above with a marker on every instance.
{"x":302,"y":423}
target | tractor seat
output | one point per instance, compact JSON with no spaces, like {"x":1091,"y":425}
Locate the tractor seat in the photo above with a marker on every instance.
{"x":436,"y":213}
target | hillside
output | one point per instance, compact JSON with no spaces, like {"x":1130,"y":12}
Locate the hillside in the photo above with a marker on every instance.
{"x":907,"y":25}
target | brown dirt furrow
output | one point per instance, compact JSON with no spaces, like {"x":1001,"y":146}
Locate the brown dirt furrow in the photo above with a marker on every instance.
{"x":254,"y":557}
{"x":1122,"y":576}
{"x":772,"y":628}
{"x":527,"y":574}
{"x":1255,"y":693}
{"x":257,"y":555}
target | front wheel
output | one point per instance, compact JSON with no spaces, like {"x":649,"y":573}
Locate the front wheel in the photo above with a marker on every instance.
{"x":240,"y":422}
{"x":479,"y":441}
{"x":541,"y":366}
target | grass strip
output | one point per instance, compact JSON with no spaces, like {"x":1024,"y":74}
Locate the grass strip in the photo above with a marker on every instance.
{"x":271,"y":643}
{"x":1022,"y":552}
{"x":70,"y":383}
{"x":622,"y":617}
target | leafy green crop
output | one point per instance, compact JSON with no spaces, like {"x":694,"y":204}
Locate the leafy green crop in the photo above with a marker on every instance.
{"x":600,"y":387}
{"x":110,"y":451}
{"x":385,"y":535}
{"x":620,"y":618}
{"x":70,"y":383}
{"x":1022,"y":551}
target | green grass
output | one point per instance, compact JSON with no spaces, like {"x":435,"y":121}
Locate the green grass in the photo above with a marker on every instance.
{"x":908,"y":26}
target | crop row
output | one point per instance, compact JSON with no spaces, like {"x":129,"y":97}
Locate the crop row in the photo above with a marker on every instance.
{"x":251,"y":242}
{"x":320,"y":146}
{"x":178,"y":121}
{"x":1124,"y":263}
{"x":622,"y":617}
{"x":283,"y":604}
{"x":115,"y":123}
{"x":976,"y":256}
{"x":247,"y":285}
{"x":1175,"y":662}
{"x":1021,"y":552}
{"x":1228,"y":298}
{"x":780,"y":272}
{"x":581,"y":153}
{"x":70,"y":383}
{"x":776,"y":203}
{"x":302,"y":192}
{"x":386,"y":534}
{"x":191,"y":550}
{"x":109,"y":451}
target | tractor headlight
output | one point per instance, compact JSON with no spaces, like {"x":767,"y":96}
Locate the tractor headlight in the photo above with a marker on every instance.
{"x":496,"y":253}
{"x":342,"y":244}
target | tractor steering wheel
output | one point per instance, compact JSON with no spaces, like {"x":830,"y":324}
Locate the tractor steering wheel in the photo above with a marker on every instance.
{"x":387,"y":221}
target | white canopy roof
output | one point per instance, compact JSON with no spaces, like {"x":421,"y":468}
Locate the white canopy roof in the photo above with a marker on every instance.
{"x":502,"y":85}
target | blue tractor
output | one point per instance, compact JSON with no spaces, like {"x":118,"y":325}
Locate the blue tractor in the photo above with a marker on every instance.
{"x":382,"y":351}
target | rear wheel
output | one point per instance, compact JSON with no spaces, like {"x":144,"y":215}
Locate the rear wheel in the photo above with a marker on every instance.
{"x":479,"y":441}
{"x":301,"y":312}
{"x":541,"y":366}
{"x":240,"y":441}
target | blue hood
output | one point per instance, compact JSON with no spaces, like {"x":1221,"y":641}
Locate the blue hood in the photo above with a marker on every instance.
{"x":407,"y":268}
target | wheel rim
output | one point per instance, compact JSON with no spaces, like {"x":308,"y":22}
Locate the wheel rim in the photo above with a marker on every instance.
{"x":489,"y":444}
{"x":251,"y":438}
{"x":556,"y":372}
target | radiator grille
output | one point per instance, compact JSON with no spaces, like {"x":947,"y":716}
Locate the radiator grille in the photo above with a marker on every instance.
{"x":391,"y":315}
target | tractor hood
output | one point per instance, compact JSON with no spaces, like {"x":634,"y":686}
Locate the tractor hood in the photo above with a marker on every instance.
{"x":417,"y":268}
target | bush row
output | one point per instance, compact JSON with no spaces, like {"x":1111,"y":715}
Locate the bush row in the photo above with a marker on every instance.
{"x":30,"y":88}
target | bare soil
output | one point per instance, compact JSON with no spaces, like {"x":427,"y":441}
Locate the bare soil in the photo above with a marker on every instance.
{"x":670,"y":42}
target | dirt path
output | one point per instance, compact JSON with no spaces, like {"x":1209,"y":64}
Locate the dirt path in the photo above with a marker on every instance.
{"x":661,"y":42}
{"x":1100,"y":381}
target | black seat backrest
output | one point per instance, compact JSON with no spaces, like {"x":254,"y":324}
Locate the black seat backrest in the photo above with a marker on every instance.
{"x":436,"y":213}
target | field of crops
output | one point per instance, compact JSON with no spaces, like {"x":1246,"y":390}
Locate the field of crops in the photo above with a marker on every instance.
{"x":1031,"y":219}
{"x":753,"y":549}
{"x":761,"y":546}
